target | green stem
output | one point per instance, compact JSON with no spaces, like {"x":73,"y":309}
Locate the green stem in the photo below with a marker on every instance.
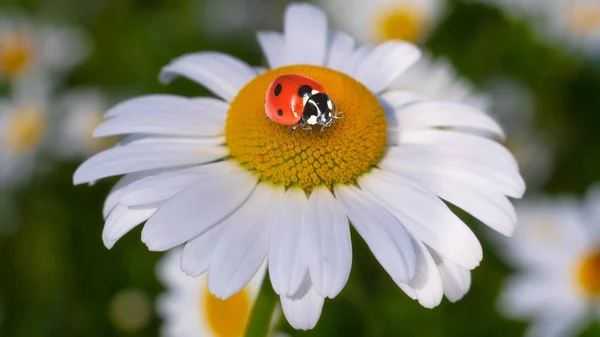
{"x":260,"y":319}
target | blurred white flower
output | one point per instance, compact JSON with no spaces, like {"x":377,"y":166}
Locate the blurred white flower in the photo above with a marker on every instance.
{"x":575,"y":23}
{"x":28,"y":47}
{"x":376,"y":21}
{"x":236,"y":189}
{"x":190,"y":310}
{"x":81,"y":111}
{"x":513,"y":106}
{"x":24,"y":125}
{"x":556,"y":251}
{"x":222,"y":17}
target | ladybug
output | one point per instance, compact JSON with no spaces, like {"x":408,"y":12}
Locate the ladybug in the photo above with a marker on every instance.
{"x":299,"y":101}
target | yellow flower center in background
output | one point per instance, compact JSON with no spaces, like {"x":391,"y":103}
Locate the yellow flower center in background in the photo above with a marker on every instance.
{"x":584,"y":17}
{"x":16,"y":52}
{"x":399,"y":23}
{"x":347,"y":149}
{"x":25,"y":128}
{"x":589,"y":274}
{"x":227,"y":318}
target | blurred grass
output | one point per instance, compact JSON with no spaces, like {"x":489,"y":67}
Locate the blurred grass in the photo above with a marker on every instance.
{"x":58,"y":279}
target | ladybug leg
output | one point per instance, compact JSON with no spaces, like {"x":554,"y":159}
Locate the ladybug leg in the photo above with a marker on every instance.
{"x":266,"y":117}
{"x":293,"y":129}
{"x":306,"y":127}
{"x":336,"y":114}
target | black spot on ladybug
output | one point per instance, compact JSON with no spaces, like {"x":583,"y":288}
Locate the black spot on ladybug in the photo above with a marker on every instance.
{"x":279,"y":112}
{"x":304,"y":90}
{"x":277,"y":90}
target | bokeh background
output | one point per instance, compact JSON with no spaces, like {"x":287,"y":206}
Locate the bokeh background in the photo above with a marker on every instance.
{"x":58,"y":279}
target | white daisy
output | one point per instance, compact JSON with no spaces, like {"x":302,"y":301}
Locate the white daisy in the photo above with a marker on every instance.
{"x":24,"y":123}
{"x":190,"y":310}
{"x":27,"y":47}
{"x":212,"y":174}
{"x":555,"y":250}
{"x":381,"y":20}
{"x":81,"y":112}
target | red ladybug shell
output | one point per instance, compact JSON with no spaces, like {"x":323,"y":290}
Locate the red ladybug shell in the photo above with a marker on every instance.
{"x":283,"y":103}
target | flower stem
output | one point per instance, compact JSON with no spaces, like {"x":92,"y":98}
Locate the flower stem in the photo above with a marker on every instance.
{"x":260,"y":319}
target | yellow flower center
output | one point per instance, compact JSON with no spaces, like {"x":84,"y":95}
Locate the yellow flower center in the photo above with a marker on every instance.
{"x":25,"y":128}
{"x":399,"y":23}
{"x":584,"y":17}
{"x":227,"y":318}
{"x":588,"y":274}
{"x":16,"y":52}
{"x":347,"y":149}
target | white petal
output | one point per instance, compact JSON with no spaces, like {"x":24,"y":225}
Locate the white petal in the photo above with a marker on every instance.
{"x":463,"y":144}
{"x":303,"y":310}
{"x":341,"y":46}
{"x":456,"y":280}
{"x":220,"y":73}
{"x":425,"y":216}
{"x":273,"y":46}
{"x":287,"y":251}
{"x":328,"y":245}
{"x":142,"y":157}
{"x":385,"y":63}
{"x":171,"y":115}
{"x":398,"y":98}
{"x":162,"y":186}
{"x":114,"y":196}
{"x":121,"y":220}
{"x":244,"y":243}
{"x":384,"y":235}
{"x":490,"y":208}
{"x":425,"y":115}
{"x":305,"y":31}
{"x":493,"y":175}
{"x":195,"y":258}
{"x":196,"y":209}
{"x":350,"y":63}
{"x":426,"y":284}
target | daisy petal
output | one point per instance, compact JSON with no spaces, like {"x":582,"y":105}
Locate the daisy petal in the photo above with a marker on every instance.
{"x":287,"y":252}
{"x":426,"y":115}
{"x":397,"y":99}
{"x":385,"y":63}
{"x":177,"y":116}
{"x":220,"y":73}
{"x":121,"y":220}
{"x":244,"y":243}
{"x":465,"y":167}
{"x":114,"y":196}
{"x":425,"y":216}
{"x":164,"y":185}
{"x":384,"y":235}
{"x":196,"y":209}
{"x":456,"y":280}
{"x":492,"y":209}
{"x":341,"y":46}
{"x":462,"y":143}
{"x":305,"y":33}
{"x":303,"y":310}
{"x":328,"y":245}
{"x":350,"y":63}
{"x":195,"y":258}
{"x":273,"y":46}
{"x":143,"y":157}
{"x":427,"y":284}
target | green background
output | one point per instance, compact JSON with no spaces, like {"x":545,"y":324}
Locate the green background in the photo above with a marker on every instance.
{"x":57,"y":278}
